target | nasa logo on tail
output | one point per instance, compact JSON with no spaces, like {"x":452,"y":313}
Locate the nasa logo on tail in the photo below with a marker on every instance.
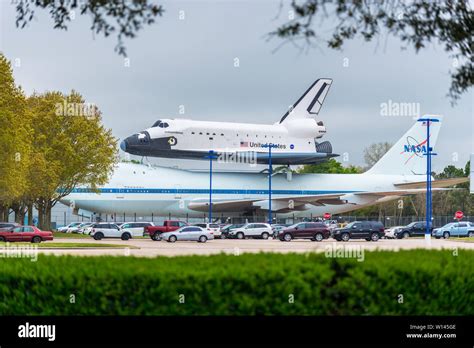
{"x":414,"y":148}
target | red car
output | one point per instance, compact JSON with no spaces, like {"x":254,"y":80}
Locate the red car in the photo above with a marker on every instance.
{"x":25,"y":234}
{"x":168,"y":226}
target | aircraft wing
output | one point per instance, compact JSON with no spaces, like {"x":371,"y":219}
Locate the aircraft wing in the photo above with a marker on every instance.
{"x":278,"y":203}
{"x":398,"y":192}
{"x":297,"y":203}
{"x":434,"y":184}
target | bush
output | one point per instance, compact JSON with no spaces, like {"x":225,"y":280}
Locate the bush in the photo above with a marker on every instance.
{"x":431,"y":283}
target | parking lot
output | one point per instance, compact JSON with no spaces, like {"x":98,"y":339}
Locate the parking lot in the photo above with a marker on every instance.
{"x":148,"y":248}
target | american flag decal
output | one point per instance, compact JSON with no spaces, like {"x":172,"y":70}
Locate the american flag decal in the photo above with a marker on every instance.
{"x":244,"y":144}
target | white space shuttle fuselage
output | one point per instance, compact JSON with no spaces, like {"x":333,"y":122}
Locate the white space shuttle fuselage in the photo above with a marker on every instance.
{"x":293,"y":139}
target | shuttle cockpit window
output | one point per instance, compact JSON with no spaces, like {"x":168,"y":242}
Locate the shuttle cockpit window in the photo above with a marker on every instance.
{"x":160,"y":124}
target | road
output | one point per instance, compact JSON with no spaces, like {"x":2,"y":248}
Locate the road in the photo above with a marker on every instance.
{"x":149,"y":248}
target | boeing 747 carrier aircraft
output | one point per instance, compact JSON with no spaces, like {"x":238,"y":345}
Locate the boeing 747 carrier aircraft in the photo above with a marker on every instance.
{"x":293,"y":138}
{"x":145,"y":190}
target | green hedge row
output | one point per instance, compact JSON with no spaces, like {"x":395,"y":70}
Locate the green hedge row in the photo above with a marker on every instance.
{"x":431,"y":283}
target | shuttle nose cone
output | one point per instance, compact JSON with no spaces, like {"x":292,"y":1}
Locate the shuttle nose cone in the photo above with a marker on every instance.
{"x":123,"y":145}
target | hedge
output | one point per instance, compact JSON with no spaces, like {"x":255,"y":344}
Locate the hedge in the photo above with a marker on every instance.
{"x":431,"y":283}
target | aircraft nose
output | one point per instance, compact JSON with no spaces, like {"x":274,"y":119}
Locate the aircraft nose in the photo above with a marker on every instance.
{"x":123,"y":145}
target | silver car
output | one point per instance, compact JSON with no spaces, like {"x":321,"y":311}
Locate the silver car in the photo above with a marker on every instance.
{"x":188,"y":233}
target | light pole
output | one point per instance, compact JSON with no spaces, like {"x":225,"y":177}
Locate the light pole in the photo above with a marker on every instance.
{"x":212,"y":155}
{"x":270,"y":173}
{"x":428,"y":154}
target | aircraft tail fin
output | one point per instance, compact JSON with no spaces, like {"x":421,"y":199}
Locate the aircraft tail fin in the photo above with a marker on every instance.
{"x":407,"y":156}
{"x":310,"y":102}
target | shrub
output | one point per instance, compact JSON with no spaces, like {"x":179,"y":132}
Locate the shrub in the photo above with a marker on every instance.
{"x":431,"y":283}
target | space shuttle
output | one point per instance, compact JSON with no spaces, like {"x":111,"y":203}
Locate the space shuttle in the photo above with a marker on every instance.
{"x":294,"y":139}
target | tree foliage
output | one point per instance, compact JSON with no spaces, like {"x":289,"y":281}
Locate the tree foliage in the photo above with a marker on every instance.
{"x":121,"y":17}
{"x":330,"y":167}
{"x":416,"y":23}
{"x":48,"y":147}
{"x":374,"y":152}
{"x":14,"y":130}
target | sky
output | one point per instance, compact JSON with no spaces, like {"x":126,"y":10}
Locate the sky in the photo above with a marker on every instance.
{"x":190,"y":62}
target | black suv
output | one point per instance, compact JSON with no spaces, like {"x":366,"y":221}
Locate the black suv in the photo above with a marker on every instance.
{"x":368,"y":230}
{"x":417,"y":228}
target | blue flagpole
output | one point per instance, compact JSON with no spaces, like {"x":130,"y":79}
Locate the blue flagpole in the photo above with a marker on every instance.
{"x":210,"y":186}
{"x":211,"y":156}
{"x":429,"y":154}
{"x":270,"y":172}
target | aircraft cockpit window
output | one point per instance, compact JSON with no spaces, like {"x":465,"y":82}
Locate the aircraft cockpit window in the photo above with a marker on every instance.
{"x":160,"y":124}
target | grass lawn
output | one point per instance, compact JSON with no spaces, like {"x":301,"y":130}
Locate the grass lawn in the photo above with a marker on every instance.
{"x":462,"y":239}
{"x":55,"y":245}
{"x":70,"y":235}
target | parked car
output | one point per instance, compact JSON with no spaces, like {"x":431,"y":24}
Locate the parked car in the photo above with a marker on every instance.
{"x":135,"y":229}
{"x":455,"y":229}
{"x":71,"y":225}
{"x":108,"y":230}
{"x":188,"y":233}
{"x":214,"y":228}
{"x":25,"y":234}
{"x":168,"y":226}
{"x":84,"y":227}
{"x":88,"y":229}
{"x":390,"y":232}
{"x":417,"y":228}
{"x":331,"y":224}
{"x":368,"y":230}
{"x":276,"y":228}
{"x":226,"y":229}
{"x":251,"y":230}
{"x":7,"y":226}
{"x":316,"y":231}
{"x":77,"y":228}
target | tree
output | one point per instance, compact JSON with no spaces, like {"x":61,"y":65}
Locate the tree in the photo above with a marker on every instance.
{"x":458,"y":199}
{"x":14,"y":136}
{"x":416,"y":22}
{"x":124,"y":17}
{"x":71,"y":149}
{"x":375,"y":152}
{"x":330,"y":167}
